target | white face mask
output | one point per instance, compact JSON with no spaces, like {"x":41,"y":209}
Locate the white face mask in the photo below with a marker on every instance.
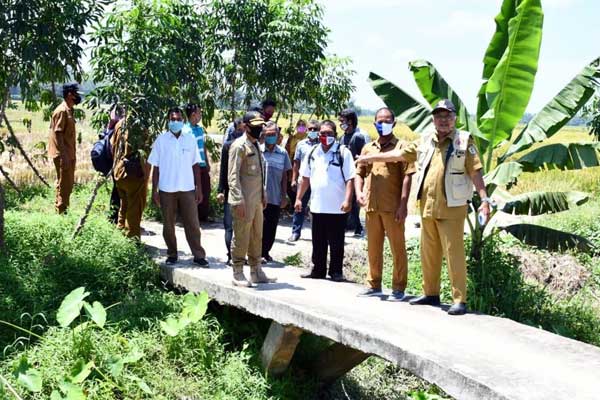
{"x":386,"y":128}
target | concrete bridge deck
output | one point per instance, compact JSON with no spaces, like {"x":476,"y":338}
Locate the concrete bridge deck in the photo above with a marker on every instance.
{"x":469,"y":357}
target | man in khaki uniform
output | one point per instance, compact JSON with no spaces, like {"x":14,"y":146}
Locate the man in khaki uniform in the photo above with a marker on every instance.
{"x":448,"y":166}
{"x":62,"y":145}
{"x":383,"y":190}
{"x":131,"y":181}
{"x":247,"y":198}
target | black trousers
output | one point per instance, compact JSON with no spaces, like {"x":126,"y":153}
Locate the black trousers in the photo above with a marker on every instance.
{"x":115,"y":203}
{"x":328,"y":232}
{"x":270,"y":220}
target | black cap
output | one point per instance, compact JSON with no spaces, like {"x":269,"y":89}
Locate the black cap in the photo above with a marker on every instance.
{"x":253,"y":118}
{"x":71,"y":87}
{"x":444,"y":104}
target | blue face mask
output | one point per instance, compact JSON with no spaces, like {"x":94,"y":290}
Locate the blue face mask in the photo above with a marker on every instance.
{"x":313,"y":135}
{"x":383,"y":128}
{"x":175,"y":126}
{"x":270,"y":139}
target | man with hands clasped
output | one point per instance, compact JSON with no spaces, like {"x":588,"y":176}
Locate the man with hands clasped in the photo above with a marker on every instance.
{"x":329,"y":170}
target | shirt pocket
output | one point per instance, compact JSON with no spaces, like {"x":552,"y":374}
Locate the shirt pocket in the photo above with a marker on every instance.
{"x":252,"y":163}
{"x":462,"y":186}
{"x":187,"y":153}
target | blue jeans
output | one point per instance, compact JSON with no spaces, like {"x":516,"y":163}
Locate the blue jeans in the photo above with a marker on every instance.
{"x":228,"y":225}
{"x":298,"y":218}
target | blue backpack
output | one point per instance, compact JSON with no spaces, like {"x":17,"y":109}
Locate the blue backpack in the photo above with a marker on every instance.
{"x":101,"y":153}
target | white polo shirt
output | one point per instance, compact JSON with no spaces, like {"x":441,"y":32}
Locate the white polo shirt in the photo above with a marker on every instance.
{"x":328,"y":189}
{"x":175,"y":158}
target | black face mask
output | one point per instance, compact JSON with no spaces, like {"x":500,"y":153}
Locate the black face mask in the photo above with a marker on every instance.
{"x":255,"y":131}
{"x":77,"y":99}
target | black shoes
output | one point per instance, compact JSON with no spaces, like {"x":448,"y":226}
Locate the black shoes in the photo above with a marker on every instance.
{"x":426,"y":301}
{"x":370,"y":292}
{"x":458,"y":309}
{"x":311,"y":275}
{"x":171,"y":260}
{"x":201,"y":262}
{"x":266,"y":259}
{"x":337,"y":277}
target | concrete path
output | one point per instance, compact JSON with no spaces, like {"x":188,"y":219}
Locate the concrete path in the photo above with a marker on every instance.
{"x":470,"y":357}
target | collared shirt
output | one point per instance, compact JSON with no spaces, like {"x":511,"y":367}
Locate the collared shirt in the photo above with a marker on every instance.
{"x":199,"y":134}
{"x":246,"y":173}
{"x":383,"y":183}
{"x":433,"y":197}
{"x":327,"y":185}
{"x":63,"y":138}
{"x":175,"y":158}
{"x":277,"y":163}
{"x":302,"y":149}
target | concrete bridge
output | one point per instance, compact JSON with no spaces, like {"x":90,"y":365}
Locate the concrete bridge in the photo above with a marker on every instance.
{"x":470,"y":357}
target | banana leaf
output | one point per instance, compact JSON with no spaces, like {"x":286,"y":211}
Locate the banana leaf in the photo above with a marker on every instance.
{"x":565,"y":156}
{"x":504,"y":174}
{"x":549,"y":239}
{"x":408,"y":110}
{"x":434,"y":88}
{"x":508,"y":90}
{"x":538,"y":203}
{"x":559,"y":110}
{"x":495,"y":50}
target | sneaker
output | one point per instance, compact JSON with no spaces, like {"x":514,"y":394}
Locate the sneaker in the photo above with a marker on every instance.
{"x":337,"y":277}
{"x":294,"y":238}
{"x":201,"y":262}
{"x":229,"y":263}
{"x":171,"y":260}
{"x":396,"y":295}
{"x":458,"y":309}
{"x":370,"y":292}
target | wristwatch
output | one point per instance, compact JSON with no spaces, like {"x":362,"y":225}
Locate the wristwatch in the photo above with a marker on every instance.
{"x":488,"y":200}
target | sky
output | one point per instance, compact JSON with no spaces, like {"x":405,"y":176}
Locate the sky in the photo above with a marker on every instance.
{"x":382,"y":36}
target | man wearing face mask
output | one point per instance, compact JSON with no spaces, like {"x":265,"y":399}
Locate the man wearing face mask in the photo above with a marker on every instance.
{"x":302,"y":149}
{"x":62,"y":145}
{"x":329,"y":171}
{"x":448,"y":167}
{"x":247,"y":198}
{"x":383,"y":190}
{"x":277,"y":167}
{"x":354,"y":140}
{"x":223,"y":188}
{"x":177,"y":186}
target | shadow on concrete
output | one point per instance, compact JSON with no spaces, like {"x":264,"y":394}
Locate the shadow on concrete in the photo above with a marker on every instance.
{"x":265,"y":287}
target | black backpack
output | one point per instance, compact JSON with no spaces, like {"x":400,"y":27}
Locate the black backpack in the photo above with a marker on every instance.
{"x":101,"y":153}
{"x":336,"y":154}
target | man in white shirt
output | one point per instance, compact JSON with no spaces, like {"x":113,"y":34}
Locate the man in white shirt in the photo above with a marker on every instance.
{"x":176,"y":185}
{"x":329,"y":170}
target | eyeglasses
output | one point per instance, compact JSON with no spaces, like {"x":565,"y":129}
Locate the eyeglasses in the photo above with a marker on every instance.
{"x":313,"y":129}
{"x":448,"y":117}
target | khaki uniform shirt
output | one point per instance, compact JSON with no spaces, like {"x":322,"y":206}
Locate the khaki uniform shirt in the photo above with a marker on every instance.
{"x":122,"y":150}
{"x":383,"y":183}
{"x":246,"y":172}
{"x":433,"y":197}
{"x":62,"y":133}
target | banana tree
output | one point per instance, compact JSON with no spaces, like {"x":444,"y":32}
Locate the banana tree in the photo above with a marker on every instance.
{"x":510,"y":66}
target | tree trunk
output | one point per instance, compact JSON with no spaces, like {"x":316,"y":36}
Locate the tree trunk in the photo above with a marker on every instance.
{"x":18,"y":144}
{"x":9,"y":180}
{"x":2,"y":244}
{"x":89,"y":205}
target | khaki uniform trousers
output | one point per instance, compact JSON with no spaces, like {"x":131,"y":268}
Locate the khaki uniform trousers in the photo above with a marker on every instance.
{"x":132,"y":192}
{"x":444,"y":237}
{"x":247,"y":235}
{"x":185,"y":203}
{"x":65,"y":178}
{"x":380,"y":224}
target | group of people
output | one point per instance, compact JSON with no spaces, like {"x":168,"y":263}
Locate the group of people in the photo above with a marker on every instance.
{"x":336,"y":176}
